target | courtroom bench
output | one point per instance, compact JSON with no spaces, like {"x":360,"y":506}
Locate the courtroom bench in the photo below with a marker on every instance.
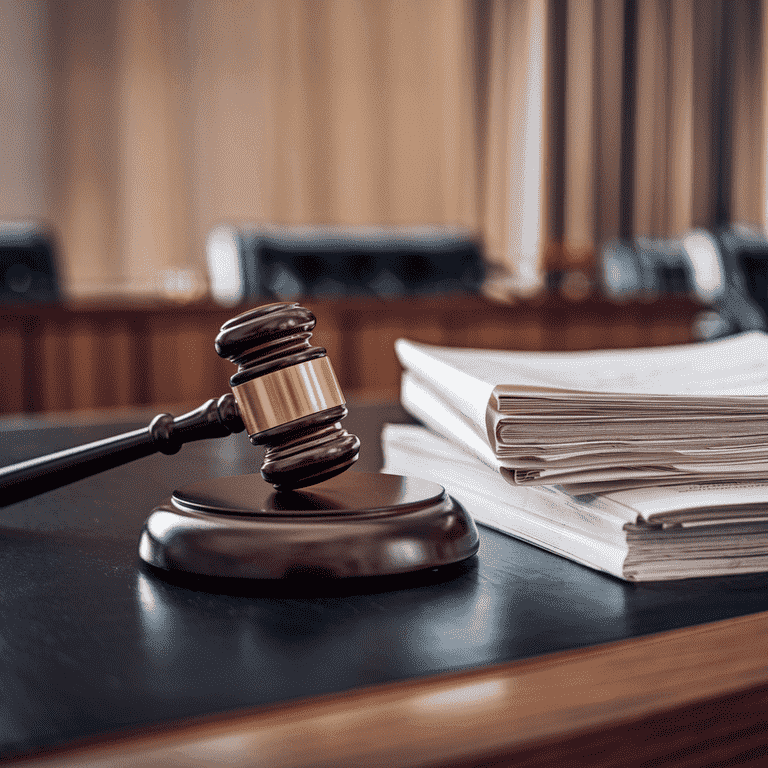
{"x":107,"y":353}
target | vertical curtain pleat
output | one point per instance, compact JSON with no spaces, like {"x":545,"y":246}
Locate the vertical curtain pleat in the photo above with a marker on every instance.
{"x":580,"y":123}
{"x":651,"y":200}
{"x":609,"y":23}
{"x":122,"y":150}
{"x":26,"y":91}
{"x":152,"y":163}
{"x":515,"y":190}
{"x":700,"y":135}
{"x":334,"y":112}
{"x":680,"y":164}
{"x":690,"y":150}
{"x":746,"y":178}
{"x":86,"y":135}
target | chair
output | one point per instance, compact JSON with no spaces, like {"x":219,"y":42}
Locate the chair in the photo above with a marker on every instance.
{"x":28,"y":270}
{"x":725,"y":268}
{"x":274,"y":261}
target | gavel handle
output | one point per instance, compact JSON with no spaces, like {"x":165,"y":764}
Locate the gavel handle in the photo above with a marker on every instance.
{"x":215,"y":418}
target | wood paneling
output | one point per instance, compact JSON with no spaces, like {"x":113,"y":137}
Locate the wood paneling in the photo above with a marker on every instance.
{"x":11,"y":366}
{"x":84,"y":355}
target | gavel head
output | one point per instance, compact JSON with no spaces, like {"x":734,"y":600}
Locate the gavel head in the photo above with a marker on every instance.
{"x":288,"y":395}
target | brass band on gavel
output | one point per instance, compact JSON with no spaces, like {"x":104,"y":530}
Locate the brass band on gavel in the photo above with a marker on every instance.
{"x":288,"y":394}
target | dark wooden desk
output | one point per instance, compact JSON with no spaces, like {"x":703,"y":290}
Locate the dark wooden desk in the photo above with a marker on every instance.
{"x":521,"y":658}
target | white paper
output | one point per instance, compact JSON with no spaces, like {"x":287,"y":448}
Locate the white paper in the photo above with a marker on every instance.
{"x":736,"y":366}
{"x":599,"y":420}
{"x":597,"y":532}
{"x":469,"y":387}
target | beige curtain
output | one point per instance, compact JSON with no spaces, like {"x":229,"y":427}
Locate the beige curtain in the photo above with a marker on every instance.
{"x":701,"y":144}
{"x":168,"y":117}
{"x":678,"y":143}
{"x":26,"y":90}
{"x":136,"y":126}
{"x":333,"y":111}
{"x":513,"y":109}
{"x":586,"y":92}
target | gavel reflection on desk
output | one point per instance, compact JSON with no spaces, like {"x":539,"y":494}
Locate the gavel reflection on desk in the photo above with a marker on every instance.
{"x":286,"y":396}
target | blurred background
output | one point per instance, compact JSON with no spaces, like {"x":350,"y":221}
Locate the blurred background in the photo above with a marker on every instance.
{"x":527,"y":174}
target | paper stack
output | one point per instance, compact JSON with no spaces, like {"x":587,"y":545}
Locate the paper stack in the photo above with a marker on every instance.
{"x":648,"y":464}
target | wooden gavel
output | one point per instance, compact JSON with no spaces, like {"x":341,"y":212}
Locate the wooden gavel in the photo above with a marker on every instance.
{"x":285,"y":394}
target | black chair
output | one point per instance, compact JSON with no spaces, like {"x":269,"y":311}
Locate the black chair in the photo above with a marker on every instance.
{"x":286,"y":262}
{"x":28,"y":271}
{"x":724,"y":268}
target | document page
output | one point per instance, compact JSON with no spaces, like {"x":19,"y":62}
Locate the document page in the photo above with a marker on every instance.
{"x":721,"y":503}
{"x":736,"y":366}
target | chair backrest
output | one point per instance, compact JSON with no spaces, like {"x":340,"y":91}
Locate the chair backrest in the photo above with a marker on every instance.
{"x":291,"y":261}
{"x":28,"y":271}
{"x":726,"y":269}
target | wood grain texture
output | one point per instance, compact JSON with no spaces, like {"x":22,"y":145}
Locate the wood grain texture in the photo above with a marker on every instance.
{"x":689,"y":697}
{"x":100,"y":355}
{"x":11,"y":366}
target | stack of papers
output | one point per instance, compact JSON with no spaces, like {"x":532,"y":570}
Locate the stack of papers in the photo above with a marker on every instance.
{"x":647,"y":534}
{"x":646,"y":464}
{"x":598,"y":421}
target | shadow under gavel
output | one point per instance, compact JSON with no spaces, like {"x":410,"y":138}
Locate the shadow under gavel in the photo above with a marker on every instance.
{"x":284,"y":393}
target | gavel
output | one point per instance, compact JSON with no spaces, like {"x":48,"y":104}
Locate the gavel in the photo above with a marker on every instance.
{"x":285,"y":395}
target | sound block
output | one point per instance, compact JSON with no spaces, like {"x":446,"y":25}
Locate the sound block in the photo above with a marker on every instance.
{"x":355,"y":524}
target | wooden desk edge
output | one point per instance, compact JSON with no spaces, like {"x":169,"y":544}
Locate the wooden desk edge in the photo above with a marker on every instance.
{"x":659,"y":696}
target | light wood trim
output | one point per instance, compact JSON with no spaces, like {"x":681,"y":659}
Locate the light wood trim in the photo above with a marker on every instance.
{"x":533,"y":710}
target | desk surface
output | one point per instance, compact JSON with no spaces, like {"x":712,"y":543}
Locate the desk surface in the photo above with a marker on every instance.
{"x":94,"y":644}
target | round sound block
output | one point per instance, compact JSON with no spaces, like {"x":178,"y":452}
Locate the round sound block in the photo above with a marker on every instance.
{"x":355,"y":524}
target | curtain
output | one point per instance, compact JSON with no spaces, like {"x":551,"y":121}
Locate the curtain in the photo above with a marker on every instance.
{"x":513,"y":104}
{"x":168,"y":117}
{"x":587,"y":98}
{"x":657,"y":119}
{"x":546,"y":126}
{"x":26,"y":178}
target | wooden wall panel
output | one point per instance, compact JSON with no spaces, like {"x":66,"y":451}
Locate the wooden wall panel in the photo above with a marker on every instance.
{"x":625,"y":334}
{"x":669,"y":331}
{"x":494,"y":333}
{"x":56,"y":386}
{"x":194,"y":370}
{"x":485,"y":325}
{"x":585,"y":335}
{"x":163,"y":372}
{"x":11,"y":380}
{"x":90,"y":356}
{"x":375,"y":365}
{"x":117,"y":348}
{"x":86,"y":366}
